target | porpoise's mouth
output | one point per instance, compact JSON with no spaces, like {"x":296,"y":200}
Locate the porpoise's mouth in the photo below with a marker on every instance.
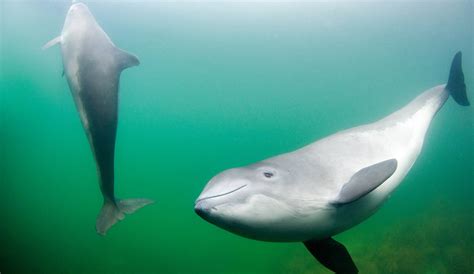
{"x":219,"y":195}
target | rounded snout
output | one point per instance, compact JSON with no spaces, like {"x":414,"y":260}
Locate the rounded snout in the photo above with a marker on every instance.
{"x":77,"y":7}
{"x":220,"y":190}
{"x":208,"y":202}
{"x":199,"y":210}
{"x":202,"y":210}
{"x":206,"y":205}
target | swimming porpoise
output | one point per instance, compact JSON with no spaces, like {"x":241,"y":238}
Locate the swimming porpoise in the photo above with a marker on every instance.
{"x":327,"y":187}
{"x":92,"y":65}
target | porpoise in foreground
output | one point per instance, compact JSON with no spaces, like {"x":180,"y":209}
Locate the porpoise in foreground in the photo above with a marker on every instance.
{"x":92,"y":65}
{"x":327,"y":187}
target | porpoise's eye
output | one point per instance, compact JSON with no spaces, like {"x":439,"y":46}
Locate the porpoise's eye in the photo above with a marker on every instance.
{"x":268,"y":174}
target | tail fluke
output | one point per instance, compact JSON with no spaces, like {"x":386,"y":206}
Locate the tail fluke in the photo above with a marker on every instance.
{"x":456,"y":85}
{"x":112,"y":213}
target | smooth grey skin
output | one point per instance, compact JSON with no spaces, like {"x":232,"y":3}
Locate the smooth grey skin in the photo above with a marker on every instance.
{"x":92,"y":65}
{"x":330,"y":185}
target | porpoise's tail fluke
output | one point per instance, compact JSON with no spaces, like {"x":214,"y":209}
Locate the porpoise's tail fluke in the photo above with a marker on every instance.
{"x":456,"y":85}
{"x":112,"y":213}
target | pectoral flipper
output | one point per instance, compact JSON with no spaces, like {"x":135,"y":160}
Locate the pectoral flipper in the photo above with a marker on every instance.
{"x":332,"y":255}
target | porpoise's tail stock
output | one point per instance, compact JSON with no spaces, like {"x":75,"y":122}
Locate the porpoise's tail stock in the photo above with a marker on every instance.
{"x":456,"y":86}
{"x":111,"y":212}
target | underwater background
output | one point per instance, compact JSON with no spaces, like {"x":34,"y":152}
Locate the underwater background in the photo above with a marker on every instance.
{"x":220,"y":85}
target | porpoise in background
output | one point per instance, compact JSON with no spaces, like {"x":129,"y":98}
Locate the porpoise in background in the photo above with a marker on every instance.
{"x":92,"y":66}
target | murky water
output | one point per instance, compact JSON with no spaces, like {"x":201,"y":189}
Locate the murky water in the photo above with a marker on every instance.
{"x":224,"y":84}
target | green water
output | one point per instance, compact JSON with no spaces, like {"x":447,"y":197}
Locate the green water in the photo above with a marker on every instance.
{"x":224,"y":84}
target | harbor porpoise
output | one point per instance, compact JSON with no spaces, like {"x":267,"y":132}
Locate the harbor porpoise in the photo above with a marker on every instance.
{"x":327,"y":187}
{"x":92,"y":65}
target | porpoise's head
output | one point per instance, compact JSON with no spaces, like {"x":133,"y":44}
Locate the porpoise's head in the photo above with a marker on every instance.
{"x":78,"y":14}
{"x":255,"y":201}
{"x":78,"y":9}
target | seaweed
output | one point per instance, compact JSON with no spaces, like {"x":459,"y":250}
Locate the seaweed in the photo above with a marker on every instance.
{"x":438,"y":240}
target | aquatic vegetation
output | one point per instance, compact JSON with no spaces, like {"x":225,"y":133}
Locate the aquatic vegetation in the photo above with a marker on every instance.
{"x":439,"y":240}
{"x":223,"y":84}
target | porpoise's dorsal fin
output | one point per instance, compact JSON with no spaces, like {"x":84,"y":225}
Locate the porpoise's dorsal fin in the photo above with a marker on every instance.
{"x":125,"y":59}
{"x":456,"y":85}
{"x":54,"y":41}
{"x":332,"y":255}
{"x":365,"y":180}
